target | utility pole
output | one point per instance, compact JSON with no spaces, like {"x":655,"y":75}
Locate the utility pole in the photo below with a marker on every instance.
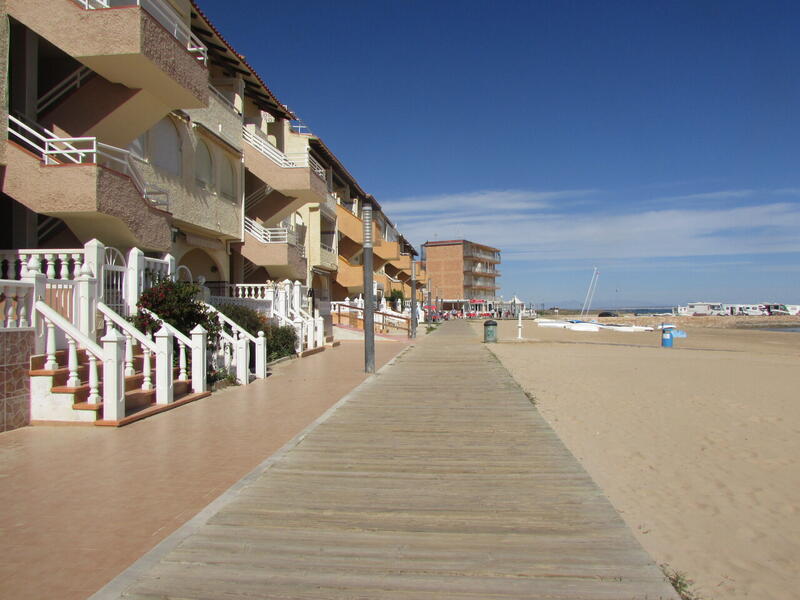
{"x":413,"y":297}
{"x":369,"y":297}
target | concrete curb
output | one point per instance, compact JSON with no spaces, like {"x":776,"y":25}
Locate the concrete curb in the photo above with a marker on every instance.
{"x":120,"y":584}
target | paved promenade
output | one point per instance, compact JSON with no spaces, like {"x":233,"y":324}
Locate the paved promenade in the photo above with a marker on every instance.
{"x":82,"y":503}
{"x":434,"y":479}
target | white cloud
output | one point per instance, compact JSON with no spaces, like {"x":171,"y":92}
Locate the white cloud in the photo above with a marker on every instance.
{"x":529,"y":226}
{"x":705,"y":196}
{"x":486,"y":201}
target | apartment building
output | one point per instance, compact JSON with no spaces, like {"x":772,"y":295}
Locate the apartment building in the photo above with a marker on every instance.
{"x":458,"y":271}
{"x":139,"y":125}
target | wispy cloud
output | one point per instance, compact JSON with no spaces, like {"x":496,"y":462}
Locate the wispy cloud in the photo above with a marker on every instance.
{"x":485,"y":201}
{"x":540,"y":226}
{"x":706,"y":196}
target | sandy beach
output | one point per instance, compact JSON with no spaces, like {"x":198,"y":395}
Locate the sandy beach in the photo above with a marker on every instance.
{"x":696,"y":445}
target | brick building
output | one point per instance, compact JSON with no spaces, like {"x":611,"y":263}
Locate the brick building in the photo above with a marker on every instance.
{"x":459,"y":271}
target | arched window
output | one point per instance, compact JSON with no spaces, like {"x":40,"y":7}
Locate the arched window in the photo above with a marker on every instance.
{"x":165,"y":146}
{"x":202,"y":165}
{"x":227,"y":187}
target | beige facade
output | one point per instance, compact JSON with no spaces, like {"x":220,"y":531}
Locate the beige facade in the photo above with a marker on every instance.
{"x":461,"y":270}
{"x":187,"y":152}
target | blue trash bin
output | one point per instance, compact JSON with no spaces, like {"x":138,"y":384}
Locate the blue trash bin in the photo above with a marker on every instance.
{"x":666,"y":338}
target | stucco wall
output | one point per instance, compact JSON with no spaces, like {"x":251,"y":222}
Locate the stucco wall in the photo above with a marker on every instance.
{"x":95,"y":202}
{"x":445,"y":267}
{"x":221,"y":119}
{"x":16,"y":348}
{"x":125,"y":45}
{"x":192,"y":207}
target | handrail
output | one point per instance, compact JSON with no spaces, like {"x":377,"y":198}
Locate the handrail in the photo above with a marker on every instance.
{"x":231,"y":322}
{"x":224,"y":99}
{"x":73,"y":80}
{"x":182,"y":338}
{"x":126,"y":326}
{"x":68,"y":328}
{"x":60,"y":149}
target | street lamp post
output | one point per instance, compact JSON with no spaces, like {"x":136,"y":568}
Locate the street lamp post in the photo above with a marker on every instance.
{"x":369,"y":298}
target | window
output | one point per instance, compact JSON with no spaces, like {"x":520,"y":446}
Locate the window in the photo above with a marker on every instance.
{"x":227,"y":186}
{"x":203,"y":166}
{"x":165,"y":146}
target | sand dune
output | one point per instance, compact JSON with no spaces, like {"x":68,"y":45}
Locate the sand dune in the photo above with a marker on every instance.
{"x":697,"y":446}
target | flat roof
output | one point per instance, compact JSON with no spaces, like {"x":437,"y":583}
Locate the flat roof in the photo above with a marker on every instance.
{"x":459,"y":242}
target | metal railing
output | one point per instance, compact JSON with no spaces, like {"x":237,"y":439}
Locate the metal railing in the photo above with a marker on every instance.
{"x":273,"y":235}
{"x":224,"y":99}
{"x":255,"y":138}
{"x":165,"y":15}
{"x":66,"y":85}
{"x":56,"y":150}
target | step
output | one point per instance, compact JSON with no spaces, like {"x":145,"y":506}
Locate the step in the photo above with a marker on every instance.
{"x":154,"y":409}
{"x":38,"y":360}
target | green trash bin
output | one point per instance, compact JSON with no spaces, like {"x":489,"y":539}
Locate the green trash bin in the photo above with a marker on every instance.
{"x":489,"y":332}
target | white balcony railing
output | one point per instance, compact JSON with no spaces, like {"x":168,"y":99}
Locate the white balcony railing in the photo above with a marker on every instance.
{"x":296,"y":160}
{"x":224,"y":99}
{"x":273,"y":235}
{"x":162,"y":12}
{"x":56,"y":150}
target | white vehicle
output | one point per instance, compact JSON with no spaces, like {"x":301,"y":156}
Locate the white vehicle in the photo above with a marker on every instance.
{"x":701,"y":309}
{"x":750,"y":310}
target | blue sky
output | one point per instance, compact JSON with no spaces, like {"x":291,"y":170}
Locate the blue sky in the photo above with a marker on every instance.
{"x":658,"y":141}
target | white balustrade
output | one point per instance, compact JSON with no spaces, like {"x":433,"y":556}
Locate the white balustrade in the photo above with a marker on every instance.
{"x":16,"y":298}
{"x":164,"y":394}
{"x":113,"y":390}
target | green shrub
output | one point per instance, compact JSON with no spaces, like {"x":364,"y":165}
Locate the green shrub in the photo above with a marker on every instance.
{"x":281,"y":341}
{"x":250,"y":320}
{"x":177,"y":303}
{"x":395,"y":295}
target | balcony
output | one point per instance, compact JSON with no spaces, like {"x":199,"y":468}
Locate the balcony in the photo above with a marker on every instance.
{"x":221,"y":117}
{"x":403,"y":263}
{"x":350,"y":276}
{"x":350,"y":225}
{"x":277,"y":249}
{"x":91,"y":186}
{"x":328,"y":257}
{"x":474,"y":253}
{"x":483,"y":271}
{"x":386,"y":250}
{"x":297,"y":175}
{"x":141,"y":44}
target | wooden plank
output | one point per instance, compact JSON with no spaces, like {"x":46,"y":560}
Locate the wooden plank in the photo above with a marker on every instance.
{"x":438,"y":479}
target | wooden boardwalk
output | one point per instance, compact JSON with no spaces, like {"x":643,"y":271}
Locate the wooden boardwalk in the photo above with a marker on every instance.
{"x":437,"y":478}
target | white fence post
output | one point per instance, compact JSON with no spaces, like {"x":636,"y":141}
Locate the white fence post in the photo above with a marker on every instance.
{"x":242,"y":349}
{"x":171,"y":268}
{"x":164,"y":390}
{"x":298,"y":328}
{"x":34,"y":275}
{"x":113,"y":378}
{"x":199,"y":350}
{"x":319,"y":328}
{"x":134,"y":278}
{"x":296,"y":299}
{"x":86,"y":301}
{"x":94,"y":255}
{"x":261,"y":356}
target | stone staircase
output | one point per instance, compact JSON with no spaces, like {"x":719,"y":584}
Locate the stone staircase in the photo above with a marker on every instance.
{"x":53,"y":398}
